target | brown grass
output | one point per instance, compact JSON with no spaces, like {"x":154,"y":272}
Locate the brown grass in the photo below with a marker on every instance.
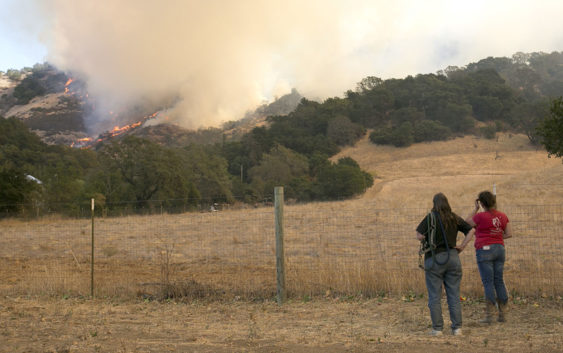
{"x":361,"y":246}
{"x":383,"y":324}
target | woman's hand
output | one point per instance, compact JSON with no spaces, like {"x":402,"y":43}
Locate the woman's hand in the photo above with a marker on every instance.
{"x":419,"y":236}
{"x":469,"y":218}
{"x":466,"y":241}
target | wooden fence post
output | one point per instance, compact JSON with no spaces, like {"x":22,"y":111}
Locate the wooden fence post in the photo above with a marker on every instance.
{"x":92,"y":260}
{"x":280,"y":258}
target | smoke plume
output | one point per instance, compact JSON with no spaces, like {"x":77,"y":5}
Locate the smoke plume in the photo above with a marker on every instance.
{"x":218,"y":58}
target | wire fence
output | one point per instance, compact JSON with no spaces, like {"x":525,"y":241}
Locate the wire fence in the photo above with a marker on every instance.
{"x":332,"y":248}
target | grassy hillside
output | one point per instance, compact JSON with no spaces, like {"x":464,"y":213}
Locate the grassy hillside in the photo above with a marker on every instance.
{"x":409,"y":177}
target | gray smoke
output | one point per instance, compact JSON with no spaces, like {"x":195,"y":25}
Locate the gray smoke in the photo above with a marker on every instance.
{"x":219,"y":58}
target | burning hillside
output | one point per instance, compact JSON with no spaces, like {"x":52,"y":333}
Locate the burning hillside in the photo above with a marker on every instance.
{"x":58,"y":107}
{"x":88,"y":142}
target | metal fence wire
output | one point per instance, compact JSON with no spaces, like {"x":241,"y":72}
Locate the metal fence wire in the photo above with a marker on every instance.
{"x":332,"y":248}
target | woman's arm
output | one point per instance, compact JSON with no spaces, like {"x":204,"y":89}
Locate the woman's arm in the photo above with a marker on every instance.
{"x":466,"y":240}
{"x":507,"y":231}
{"x":469,"y":218}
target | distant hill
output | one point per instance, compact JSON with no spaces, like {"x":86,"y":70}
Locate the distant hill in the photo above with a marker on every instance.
{"x":175,"y":136}
{"x":40,"y":98}
{"x":55,"y":105}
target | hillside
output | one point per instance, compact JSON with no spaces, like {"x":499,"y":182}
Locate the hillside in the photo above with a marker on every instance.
{"x":497,"y":93}
{"x":409,"y":177}
{"x":140,"y":159}
{"x":57,"y":107}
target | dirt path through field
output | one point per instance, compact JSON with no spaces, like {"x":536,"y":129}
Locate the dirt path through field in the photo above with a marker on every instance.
{"x":321,"y":325}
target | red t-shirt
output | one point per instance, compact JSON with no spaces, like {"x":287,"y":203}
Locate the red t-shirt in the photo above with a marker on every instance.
{"x":489,"y":228}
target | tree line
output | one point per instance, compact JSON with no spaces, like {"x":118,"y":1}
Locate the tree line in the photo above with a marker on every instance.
{"x":133,"y":173}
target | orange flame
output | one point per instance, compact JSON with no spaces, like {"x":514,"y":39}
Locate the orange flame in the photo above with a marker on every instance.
{"x":68,"y":82}
{"x":82,"y":142}
{"x":88,"y":142}
{"x":119,"y":130}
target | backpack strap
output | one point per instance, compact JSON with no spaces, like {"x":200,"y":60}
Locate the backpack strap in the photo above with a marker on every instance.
{"x":431,"y":219}
{"x":429,"y":244}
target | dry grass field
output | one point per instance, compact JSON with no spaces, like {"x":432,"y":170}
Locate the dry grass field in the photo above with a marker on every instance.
{"x":355,"y":259}
{"x":322,"y":326}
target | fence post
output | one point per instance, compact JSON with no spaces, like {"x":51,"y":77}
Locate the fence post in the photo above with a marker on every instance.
{"x":280,"y":258}
{"x":92,"y":261}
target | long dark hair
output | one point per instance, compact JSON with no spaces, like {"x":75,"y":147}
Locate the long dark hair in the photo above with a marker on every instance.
{"x":488,"y":200}
{"x":442,"y":207}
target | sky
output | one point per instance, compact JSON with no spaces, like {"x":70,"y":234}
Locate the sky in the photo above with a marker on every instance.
{"x":221,"y":58}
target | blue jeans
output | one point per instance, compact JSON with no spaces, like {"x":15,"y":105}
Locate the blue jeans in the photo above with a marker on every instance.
{"x":449,"y":275}
{"x":491,"y":263}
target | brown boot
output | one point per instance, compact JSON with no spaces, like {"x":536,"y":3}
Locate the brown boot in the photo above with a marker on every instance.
{"x":501,"y":312}
{"x":489,"y":308}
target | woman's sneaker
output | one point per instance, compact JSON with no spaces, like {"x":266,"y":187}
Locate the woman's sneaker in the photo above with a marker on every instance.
{"x":457,"y":332}
{"x":435,"y":333}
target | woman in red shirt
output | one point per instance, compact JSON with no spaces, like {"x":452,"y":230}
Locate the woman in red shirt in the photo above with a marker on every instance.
{"x":491,"y":228}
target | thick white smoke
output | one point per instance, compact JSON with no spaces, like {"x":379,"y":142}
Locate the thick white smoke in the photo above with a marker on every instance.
{"x":223,"y":57}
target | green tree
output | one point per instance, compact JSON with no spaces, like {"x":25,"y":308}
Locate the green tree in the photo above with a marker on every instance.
{"x":342,"y":180}
{"x":486,"y":107}
{"x":528,"y":115}
{"x":408,"y":114}
{"x":400,"y":136}
{"x":368,"y":84}
{"x":489,"y":131}
{"x":13,"y":74}
{"x":60,"y":169}
{"x":206,"y":169}
{"x":381,"y":136}
{"x":146,"y":168}
{"x":279,"y":167}
{"x":344,"y":132}
{"x":370,"y":108}
{"x":550,"y":129}
{"x":29,"y":88}
{"x":455,"y":116}
{"x":428,"y":130}
{"x":15,"y":189}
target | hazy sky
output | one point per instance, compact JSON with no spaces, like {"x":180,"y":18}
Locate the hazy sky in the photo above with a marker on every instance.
{"x":225,"y":56}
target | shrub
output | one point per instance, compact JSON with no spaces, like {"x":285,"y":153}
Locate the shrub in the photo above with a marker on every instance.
{"x":401,"y":136}
{"x":429,"y":130}
{"x":489,"y":131}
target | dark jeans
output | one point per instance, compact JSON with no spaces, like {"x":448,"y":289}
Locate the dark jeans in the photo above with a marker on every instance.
{"x":449,"y":275}
{"x":491,"y":263}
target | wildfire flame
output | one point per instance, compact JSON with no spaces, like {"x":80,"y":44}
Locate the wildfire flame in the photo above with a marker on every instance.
{"x":82,"y":143}
{"x":68,"y":82}
{"x":88,"y":142}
